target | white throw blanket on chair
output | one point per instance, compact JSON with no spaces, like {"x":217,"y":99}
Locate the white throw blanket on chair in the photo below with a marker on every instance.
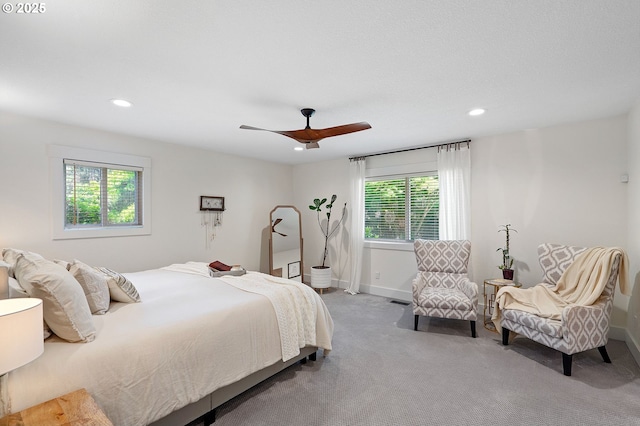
{"x":581,"y":284}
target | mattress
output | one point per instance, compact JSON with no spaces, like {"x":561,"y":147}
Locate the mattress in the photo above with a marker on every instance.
{"x":190,"y":335}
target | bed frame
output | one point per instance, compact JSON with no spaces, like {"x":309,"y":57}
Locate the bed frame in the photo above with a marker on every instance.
{"x":205,"y":409}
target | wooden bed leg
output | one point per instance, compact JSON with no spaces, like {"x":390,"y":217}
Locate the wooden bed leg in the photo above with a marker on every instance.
{"x":312,"y":357}
{"x":209,"y":418}
{"x":415,"y":323}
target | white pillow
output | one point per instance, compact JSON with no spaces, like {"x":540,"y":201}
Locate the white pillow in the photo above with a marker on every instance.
{"x":10,"y":255}
{"x":15,"y":289}
{"x":120,"y":288}
{"x":65,"y":307}
{"x":94,"y":284}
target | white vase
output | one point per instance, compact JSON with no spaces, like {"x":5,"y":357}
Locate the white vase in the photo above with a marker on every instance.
{"x":320,"y":277}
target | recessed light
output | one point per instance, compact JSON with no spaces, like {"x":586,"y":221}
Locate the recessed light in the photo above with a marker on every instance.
{"x":477,"y":111}
{"x":121,"y":103}
{"x":298,"y":148}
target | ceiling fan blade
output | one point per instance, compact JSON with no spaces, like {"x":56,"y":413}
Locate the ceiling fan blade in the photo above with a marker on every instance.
{"x":343,"y":130}
{"x":299,"y":135}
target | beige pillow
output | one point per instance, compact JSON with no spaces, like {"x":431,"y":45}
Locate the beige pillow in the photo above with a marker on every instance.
{"x":65,"y":307}
{"x":94,"y":284}
{"x":120,"y":288}
{"x":10,"y":255}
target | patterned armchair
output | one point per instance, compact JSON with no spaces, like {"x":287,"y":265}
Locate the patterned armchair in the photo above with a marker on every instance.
{"x":441,"y":288}
{"x":581,"y":327}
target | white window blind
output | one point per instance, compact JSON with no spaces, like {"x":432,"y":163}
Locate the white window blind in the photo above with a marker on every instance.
{"x":102,"y":195}
{"x":402,"y":208}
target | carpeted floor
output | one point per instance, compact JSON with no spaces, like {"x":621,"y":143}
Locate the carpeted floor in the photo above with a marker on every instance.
{"x":381,"y":372}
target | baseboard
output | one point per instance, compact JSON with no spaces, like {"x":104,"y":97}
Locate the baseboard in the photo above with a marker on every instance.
{"x":617,"y":333}
{"x":391,"y":293}
{"x":633,"y":345}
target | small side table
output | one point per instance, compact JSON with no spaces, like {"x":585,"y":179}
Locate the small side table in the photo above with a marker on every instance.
{"x":73,"y":409}
{"x":491,"y":287}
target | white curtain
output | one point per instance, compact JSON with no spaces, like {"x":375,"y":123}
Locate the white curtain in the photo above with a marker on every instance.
{"x":454,"y":175}
{"x":356,"y":229}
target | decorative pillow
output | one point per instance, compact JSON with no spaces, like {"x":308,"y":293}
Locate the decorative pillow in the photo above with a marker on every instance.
{"x":94,"y":284}
{"x":120,"y":288}
{"x":15,"y":289}
{"x":65,"y":307}
{"x":10,"y":255}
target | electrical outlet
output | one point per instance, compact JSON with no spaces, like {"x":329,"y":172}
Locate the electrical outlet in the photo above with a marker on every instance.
{"x":377,"y":275}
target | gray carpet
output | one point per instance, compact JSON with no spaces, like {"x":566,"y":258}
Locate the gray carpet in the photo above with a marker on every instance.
{"x":381,"y":372}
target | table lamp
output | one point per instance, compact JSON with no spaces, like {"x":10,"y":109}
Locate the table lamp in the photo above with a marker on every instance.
{"x":21,"y":337}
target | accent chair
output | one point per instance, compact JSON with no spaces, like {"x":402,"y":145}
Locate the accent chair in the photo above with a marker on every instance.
{"x":442,"y":288}
{"x":581,"y":327}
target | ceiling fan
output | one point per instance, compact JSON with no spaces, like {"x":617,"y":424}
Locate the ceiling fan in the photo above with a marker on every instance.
{"x":310,"y":137}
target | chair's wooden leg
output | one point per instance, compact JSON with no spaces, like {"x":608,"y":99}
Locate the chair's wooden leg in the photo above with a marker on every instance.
{"x":415,"y":323}
{"x":473,"y":329}
{"x":605,"y":355}
{"x":566,"y":364}
{"x":505,"y":336}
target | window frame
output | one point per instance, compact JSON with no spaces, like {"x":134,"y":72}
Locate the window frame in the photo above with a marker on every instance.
{"x":57,"y":156}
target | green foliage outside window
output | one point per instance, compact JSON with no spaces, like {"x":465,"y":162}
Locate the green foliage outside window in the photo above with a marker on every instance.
{"x":100,"y":196}
{"x":402,"y":209}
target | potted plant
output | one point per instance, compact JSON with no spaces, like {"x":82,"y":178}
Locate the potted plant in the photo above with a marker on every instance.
{"x":321,"y":274}
{"x":507,"y":260}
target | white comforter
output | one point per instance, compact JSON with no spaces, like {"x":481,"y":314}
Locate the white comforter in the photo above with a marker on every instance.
{"x":190,"y":335}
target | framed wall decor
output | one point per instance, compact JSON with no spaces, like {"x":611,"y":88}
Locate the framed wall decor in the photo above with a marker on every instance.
{"x":294,"y":269}
{"x":209,"y":203}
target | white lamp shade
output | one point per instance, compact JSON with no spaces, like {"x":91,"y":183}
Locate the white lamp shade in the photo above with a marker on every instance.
{"x":21,"y":338}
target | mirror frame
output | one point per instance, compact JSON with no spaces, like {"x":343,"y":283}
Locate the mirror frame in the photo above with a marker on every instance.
{"x":271,"y":270}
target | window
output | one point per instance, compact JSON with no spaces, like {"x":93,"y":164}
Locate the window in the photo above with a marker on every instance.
{"x":402,"y":208}
{"x":99,"y":193}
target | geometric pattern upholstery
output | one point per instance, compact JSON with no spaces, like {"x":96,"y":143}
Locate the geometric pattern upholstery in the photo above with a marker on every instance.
{"x":581,"y":327}
{"x":442,"y":288}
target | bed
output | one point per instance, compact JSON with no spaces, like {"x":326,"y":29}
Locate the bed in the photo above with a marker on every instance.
{"x":192,"y":343}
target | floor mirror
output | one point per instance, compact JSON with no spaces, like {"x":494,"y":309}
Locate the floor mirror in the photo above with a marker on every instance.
{"x":285,"y":243}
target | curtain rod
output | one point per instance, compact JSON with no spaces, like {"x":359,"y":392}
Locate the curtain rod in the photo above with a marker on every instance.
{"x":409,"y":149}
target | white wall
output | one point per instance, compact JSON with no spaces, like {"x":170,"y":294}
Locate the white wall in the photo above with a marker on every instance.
{"x":559,"y":184}
{"x":321,"y":180}
{"x":633,"y":319}
{"x":179,"y":176}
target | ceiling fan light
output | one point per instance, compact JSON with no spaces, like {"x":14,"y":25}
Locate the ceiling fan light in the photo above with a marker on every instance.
{"x":477,"y":111}
{"x":121,"y":103}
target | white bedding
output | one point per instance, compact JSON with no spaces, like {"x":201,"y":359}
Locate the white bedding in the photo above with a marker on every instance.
{"x":190,"y":335}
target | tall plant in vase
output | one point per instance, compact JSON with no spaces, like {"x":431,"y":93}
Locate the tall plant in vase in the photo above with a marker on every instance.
{"x":321,"y":274}
{"x":507,"y":260}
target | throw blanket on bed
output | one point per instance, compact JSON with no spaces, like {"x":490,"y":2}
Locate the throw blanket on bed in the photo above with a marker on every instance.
{"x":295,"y":308}
{"x":581,"y":284}
{"x":294,"y":304}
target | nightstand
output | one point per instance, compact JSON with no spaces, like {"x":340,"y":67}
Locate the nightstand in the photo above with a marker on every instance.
{"x":491,"y":288}
{"x":73,"y":409}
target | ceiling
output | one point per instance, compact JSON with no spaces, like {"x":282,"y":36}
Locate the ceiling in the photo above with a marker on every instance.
{"x":197,"y":70}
